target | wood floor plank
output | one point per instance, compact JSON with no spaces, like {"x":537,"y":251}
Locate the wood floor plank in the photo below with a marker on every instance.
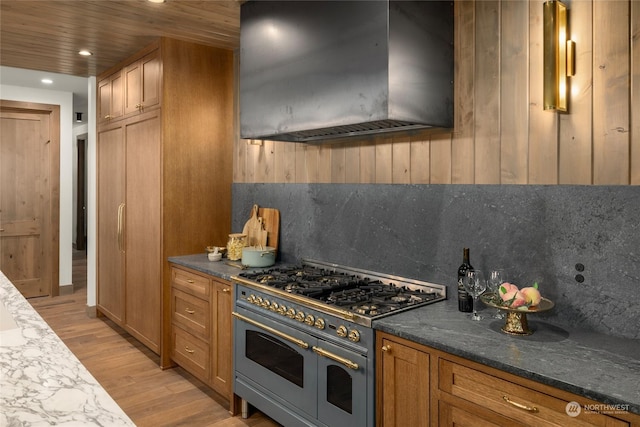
{"x":130,"y":372}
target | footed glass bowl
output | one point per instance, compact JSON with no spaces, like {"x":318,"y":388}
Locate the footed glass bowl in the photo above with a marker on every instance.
{"x":516,"y":319}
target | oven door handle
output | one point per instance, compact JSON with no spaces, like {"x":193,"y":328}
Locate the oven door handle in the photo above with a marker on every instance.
{"x":346,"y":362}
{"x":269,"y":329}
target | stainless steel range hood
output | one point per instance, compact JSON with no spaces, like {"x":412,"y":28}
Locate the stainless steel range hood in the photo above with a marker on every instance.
{"x":321,"y":70}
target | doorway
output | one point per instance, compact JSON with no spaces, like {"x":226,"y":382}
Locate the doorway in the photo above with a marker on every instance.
{"x":29,"y":196}
{"x":80,"y":243}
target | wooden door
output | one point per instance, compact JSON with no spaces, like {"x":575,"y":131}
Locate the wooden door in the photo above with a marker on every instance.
{"x":143,"y":266}
{"x":29,"y":204}
{"x":403,"y":392}
{"x":142,"y":84}
{"x":221,"y":338}
{"x":110,"y":222}
{"x":110,"y":94}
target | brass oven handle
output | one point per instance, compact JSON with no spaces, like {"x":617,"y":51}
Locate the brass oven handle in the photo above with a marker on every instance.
{"x":346,"y":362}
{"x":520,"y":405}
{"x":275,"y":332}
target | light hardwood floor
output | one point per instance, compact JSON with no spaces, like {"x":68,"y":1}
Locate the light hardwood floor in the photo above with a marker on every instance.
{"x":130,"y":372}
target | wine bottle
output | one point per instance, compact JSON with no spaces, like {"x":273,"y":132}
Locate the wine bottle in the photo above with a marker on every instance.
{"x":465,"y":302}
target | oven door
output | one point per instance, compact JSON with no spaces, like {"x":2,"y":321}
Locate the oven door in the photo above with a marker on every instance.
{"x":276,"y":360}
{"x":342,"y":386}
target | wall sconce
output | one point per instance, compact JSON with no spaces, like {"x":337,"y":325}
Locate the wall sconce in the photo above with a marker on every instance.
{"x":559,"y":56}
{"x":79,"y":117}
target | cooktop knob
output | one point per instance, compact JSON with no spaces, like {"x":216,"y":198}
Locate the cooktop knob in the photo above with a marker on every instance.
{"x":319,"y":323}
{"x":274,"y":306}
{"x":354,"y":335}
{"x":265,"y":304}
{"x":309,"y":320}
{"x":291,"y":313}
{"x":341,"y":331}
{"x":251,"y":299}
{"x":258,"y":301}
{"x":282,"y":310}
{"x":300,"y":316}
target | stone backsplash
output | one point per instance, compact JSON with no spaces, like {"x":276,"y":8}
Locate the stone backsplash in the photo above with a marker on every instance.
{"x":536,"y":233}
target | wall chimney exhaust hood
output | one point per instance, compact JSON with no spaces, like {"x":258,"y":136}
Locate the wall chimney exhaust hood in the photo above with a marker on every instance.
{"x":312,"y":71}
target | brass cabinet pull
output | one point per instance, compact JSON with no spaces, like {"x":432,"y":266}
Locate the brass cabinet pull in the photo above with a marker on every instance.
{"x":386,"y":348}
{"x":188,"y":350}
{"x":190,"y":281}
{"x":107,"y":117}
{"x":346,"y":362}
{"x":520,"y":405}
{"x":275,"y":332}
{"x":226,"y":290}
{"x":188,"y":310}
{"x":121,"y":227}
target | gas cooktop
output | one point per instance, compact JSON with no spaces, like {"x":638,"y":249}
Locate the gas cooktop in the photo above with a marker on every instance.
{"x":366,"y":293}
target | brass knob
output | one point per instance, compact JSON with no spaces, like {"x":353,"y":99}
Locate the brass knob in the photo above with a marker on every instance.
{"x":354,"y":336}
{"x":300,"y":316}
{"x":226,"y":290}
{"x":291,"y":313}
{"x":265,"y":304}
{"x":274,"y":306}
{"x":342,"y":331}
{"x":319,"y":324}
{"x":386,"y":348}
{"x":259,"y":301}
{"x":282,"y":310}
{"x":309,"y":320}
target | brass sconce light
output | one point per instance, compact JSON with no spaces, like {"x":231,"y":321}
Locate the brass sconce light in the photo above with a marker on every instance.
{"x":558,"y":56}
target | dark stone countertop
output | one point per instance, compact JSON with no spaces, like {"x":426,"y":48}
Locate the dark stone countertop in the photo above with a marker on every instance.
{"x":597,"y":366}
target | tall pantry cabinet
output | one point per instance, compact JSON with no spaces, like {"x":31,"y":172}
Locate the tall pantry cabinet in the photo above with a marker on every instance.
{"x":164,"y":146}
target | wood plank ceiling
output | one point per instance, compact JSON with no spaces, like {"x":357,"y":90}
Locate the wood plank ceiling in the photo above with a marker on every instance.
{"x":47,"y":35}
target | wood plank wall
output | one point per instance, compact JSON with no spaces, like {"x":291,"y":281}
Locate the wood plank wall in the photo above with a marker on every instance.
{"x":501,"y":135}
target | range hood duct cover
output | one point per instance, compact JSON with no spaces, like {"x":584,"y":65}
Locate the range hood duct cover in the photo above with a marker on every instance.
{"x":321,"y":70}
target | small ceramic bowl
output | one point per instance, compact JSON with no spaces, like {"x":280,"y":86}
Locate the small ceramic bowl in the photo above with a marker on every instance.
{"x":214,"y":256}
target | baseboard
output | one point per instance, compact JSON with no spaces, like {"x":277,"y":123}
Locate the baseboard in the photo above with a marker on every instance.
{"x":65,"y":290}
{"x":92,"y":311}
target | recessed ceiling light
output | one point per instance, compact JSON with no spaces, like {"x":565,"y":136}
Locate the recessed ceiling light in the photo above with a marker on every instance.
{"x":85,"y":53}
{"x":47,"y":81}
{"x":156,"y":1}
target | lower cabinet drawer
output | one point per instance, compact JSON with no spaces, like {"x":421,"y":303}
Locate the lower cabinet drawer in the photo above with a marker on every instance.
{"x":191,"y":353}
{"x":190,"y":312}
{"x":521,"y":404}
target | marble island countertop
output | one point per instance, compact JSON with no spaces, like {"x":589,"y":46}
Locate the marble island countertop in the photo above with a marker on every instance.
{"x":41,"y":381}
{"x":597,"y":366}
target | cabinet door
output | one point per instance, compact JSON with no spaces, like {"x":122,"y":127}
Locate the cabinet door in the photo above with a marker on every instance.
{"x":143,"y":267}
{"x":110,"y":98}
{"x":404,"y":393}
{"x":221,"y":339}
{"x":142,"y":84}
{"x":110,"y":243}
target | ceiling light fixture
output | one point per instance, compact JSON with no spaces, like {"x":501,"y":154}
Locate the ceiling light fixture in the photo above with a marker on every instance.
{"x":85,"y":52}
{"x":47,"y":81}
{"x":559,"y":57}
{"x":156,"y":1}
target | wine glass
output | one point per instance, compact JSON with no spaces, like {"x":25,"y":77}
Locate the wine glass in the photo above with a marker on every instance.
{"x":496,"y":279}
{"x":475,"y":284}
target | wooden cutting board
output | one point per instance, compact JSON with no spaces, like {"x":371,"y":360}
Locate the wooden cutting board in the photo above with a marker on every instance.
{"x":252,"y":228}
{"x":271,"y":222}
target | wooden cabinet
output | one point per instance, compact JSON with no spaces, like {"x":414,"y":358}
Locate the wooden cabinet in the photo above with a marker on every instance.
{"x":201,"y":327}
{"x":142,"y":84}
{"x":110,"y":102}
{"x":403,"y":384}
{"x":156,"y":197}
{"x":460,"y":392}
